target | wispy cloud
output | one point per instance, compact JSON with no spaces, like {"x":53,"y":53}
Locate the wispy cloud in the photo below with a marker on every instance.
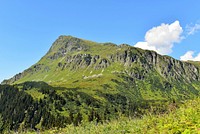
{"x":190,"y":56}
{"x":162,"y":38}
{"x":192,"y":28}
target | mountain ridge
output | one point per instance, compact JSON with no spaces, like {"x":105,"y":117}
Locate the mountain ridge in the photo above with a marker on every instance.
{"x":66,"y":45}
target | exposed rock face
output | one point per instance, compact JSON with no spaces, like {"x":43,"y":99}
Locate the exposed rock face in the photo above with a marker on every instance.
{"x":172,"y":69}
{"x":62,"y":46}
{"x":13,"y":79}
{"x":72,"y":53}
{"x":83,"y":61}
{"x":34,"y":69}
{"x":16,"y":77}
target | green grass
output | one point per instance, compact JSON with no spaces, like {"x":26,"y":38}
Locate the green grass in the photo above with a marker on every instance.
{"x":178,"y":120}
{"x":35,"y":94}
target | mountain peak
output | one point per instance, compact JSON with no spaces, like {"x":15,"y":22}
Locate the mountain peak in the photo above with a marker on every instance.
{"x":66,"y":43}
{"x":71,"y":59}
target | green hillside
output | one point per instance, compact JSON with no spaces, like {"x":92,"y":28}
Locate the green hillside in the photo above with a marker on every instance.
{"x":184,"y":119}
{"x":76,"y":63}
{"x":82,"y":81}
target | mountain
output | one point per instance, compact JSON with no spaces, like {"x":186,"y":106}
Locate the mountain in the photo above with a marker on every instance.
{"x":76,"y":63}
{"x":80,"y":80}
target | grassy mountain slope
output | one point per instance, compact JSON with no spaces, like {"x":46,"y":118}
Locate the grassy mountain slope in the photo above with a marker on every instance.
{"x":184,"y":119}
{"x":80,"y":81}
{"x":75,"y":63}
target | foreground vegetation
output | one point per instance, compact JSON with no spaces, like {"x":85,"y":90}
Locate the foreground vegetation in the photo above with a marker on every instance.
{"x":38,"y":106}
{"x":184,"y":119}
{"x":47,"y":107}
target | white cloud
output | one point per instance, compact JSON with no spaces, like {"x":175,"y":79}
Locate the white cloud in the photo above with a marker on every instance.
{"x":192,"y":29}
{"x":162,"y":38}
{"x":190,"y":56}
{"x":144,"y":45}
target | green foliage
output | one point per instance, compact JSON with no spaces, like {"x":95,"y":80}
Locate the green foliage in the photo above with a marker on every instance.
{"x":184,"y":119}
{"x":1,"y":123}
{"x":63,"y":106}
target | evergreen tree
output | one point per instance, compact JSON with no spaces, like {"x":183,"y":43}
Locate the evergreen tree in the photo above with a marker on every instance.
{"x":1,"y":123}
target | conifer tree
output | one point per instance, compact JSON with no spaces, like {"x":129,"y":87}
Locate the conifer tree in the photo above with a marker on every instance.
{"x":1,"y":123}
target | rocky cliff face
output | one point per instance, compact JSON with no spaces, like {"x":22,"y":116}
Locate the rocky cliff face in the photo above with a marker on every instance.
{"x":74,"y":54}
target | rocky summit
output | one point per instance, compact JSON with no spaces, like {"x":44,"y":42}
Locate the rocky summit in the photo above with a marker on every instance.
{"x":80,"y":80}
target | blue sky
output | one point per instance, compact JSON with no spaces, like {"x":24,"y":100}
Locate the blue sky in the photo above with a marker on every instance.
{"x":28,"y":28}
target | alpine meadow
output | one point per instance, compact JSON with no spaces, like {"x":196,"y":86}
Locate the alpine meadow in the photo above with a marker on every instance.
{"x":99,"y":67}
